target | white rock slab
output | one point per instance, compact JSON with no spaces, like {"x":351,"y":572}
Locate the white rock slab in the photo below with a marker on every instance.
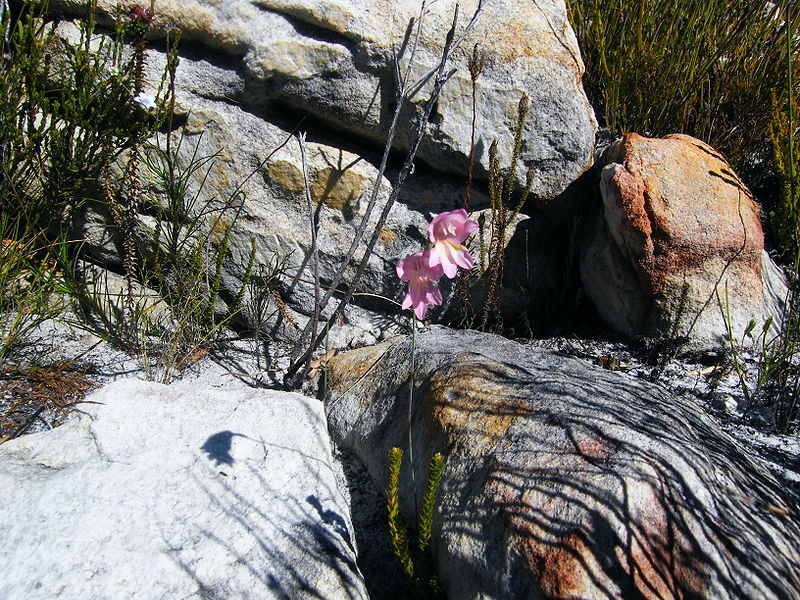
{"x":176,"y":492}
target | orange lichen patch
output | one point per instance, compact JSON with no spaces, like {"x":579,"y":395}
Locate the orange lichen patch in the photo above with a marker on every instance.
{"x":219,"y":175}
{"x":191,"y":17}
{"x":472,"y":405}
{"x":574,"y":546}
{"x":200,"y":121}
{"x":645,"y":552}
{"x":563,"y":564}
{"x":594,"y":450}
{"x":519,"y":37}
{"x":386,"y":235}
{"x":692,"y":195}
{"x":219,"y":227}
{"x":286,"y":175}
{"x":675,"y":206}
{"x":628,"y":203}
{"x":568,"y":568}
{"x":346,"y":369}
{"x":336,"y":188}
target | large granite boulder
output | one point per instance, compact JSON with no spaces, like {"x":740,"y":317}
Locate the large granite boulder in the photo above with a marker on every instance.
{"x":678,"y":236}
{"x":251,"y":69}
{"x":564,"y":480}
{"x":334,"y":60}
{"x":153,"y":491}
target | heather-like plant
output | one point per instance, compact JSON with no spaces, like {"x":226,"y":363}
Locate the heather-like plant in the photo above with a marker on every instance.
{"x":27,"y":288}
{"x":75,"y":117}
{"x":423,"y":584}
{"x":702,"y":67}
{"x":68,"y":109}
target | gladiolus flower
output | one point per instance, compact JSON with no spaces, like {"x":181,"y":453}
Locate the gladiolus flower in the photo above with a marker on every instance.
{"x":421,"y":277}
{"x":447,"y":233}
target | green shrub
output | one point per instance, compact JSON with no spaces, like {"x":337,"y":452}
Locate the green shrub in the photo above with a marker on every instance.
{"x":67,"y":111}
{"x":74,"y":126}
{"x":785,"y":216}
{"x":707,"y":68}
{"x":420,"y":575}
{"x":27,"y":288}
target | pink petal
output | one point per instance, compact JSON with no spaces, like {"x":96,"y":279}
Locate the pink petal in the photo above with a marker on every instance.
{"x":450,"y":268}
{"x":421,"y":310}
{"x":464,"y":259}
{"x":435,"y":296}
{"x":452,"y":225}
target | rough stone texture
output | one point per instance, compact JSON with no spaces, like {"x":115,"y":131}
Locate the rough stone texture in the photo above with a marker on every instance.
{"x":675,"y":214}
{"x":565,"y":480}
{"x":177,"y":492}
{"x":333,"y":60}
{"x":274,"y":212}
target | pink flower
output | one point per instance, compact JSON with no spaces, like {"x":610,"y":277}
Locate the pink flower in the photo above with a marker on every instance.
{"x":447,"y":231}
{"x":421,"y":277}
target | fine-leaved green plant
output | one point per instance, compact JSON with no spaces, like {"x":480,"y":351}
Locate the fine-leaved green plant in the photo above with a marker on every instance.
{"x":419,"y":573}
{"x":702,"y":67}
{"x":67,"y":111}
{"x":28,"y":283}
{"x":785,"y":216}
{"x":774,"y":379}
{"x":505,"y":206}
{"x":181,"y":260}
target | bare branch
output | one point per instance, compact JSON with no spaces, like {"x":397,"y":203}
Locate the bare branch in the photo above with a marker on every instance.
{"x":301,"y":139}
{"x":295,"y":373}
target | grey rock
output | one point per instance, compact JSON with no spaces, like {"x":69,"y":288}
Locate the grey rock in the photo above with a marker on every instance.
{"x":334,"y":60}
{"x":248,"y":69}
{"x":564,"y":480}
{"x":154,"y":491}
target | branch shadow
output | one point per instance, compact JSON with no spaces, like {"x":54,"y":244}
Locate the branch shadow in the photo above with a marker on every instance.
{"x":279,"y":523}
{"x":564,"y":480}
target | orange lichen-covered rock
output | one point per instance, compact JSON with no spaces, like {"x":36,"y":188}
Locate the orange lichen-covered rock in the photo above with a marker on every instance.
{"x":564,"y":480}
{"x":678,"y":235}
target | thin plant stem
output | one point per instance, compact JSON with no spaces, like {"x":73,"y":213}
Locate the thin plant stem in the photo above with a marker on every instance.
{"x":790,"y":138}
{"x":294,"y":372}
{"x":301,"y":139}
{"x":411,"y":404}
